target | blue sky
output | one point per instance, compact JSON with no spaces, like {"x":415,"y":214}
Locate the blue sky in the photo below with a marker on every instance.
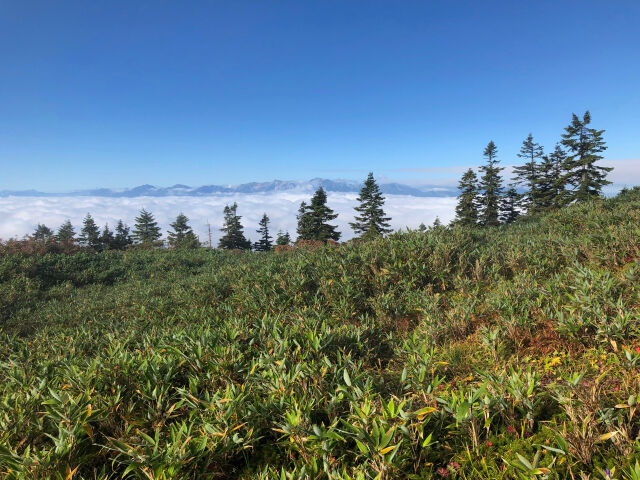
{"x":114,"y":93}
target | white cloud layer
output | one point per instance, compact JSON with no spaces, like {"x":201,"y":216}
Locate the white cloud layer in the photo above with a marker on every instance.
{"x":20,"y":215}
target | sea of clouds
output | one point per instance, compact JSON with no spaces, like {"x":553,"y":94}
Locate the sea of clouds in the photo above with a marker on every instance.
{"x":20,"y":215}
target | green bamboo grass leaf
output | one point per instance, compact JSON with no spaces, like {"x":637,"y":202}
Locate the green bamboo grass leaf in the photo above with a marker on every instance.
{"x":524,"y":461}
{"x":361,"y":446}
{"x":551,"y":449}
{"x":346,"y":377}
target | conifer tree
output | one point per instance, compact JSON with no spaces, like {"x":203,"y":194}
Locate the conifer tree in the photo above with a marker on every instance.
{"x":66,"y":233}
{"x":122,"y":237}
{"x":233,"y":237}
{"x":42,"y":232}
{"x":146,"y":230}
{"x":283,"y":238}
{"x":90,"y":233}
{"x":371,"y":221}
{"x":490,"y":188}
{"x":264,"y":244}
{"x":527,"y":175}
{"x":107,"y":239}
{"x":510,"y":202}
{"x":304,"y":228}
{"x":584,"y":145}
{"x":422,"y":227}
{"x":545,"y":185}
{"x":553,"y":179}
{"x":321,"y":214}
{"x":467,"y":208}
{"x":313,"y":219}
{"x":182,"y":235}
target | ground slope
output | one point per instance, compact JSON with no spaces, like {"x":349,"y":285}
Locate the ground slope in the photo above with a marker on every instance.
{"x":497,"y":353}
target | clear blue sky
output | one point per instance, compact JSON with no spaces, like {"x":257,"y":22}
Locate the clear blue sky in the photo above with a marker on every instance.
{"x":115,"y":93}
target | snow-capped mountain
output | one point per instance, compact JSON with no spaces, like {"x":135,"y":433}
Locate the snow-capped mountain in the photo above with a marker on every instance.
{"x":344,"y":186}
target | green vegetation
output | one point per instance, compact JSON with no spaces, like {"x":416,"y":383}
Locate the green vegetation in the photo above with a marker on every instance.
{"x":182,"y":235}
{"x":549,"y":182}
{"x":313,"y":219}
{"x":146,"y":231}
{"x":264,"y":244}
{"x":370,"y":220}
{"x":528,"y":174}
{"x":491,"y":189}
{"x":66,"y":233}
{"x":467,"y":208}
{"x":233,"y":238}
{"x":42,"y":232}
{"x":283,"y":238}
{"x":496,"y":353}
{"x":90,"y":233}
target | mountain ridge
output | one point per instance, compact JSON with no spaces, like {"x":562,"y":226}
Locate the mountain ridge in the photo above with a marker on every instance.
{"x":343,"y":186}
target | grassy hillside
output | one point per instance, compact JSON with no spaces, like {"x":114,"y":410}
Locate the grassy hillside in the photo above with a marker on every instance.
{"x":498,"y":353}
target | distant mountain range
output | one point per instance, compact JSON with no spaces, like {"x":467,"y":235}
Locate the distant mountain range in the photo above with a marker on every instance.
{"x":345,"y":186}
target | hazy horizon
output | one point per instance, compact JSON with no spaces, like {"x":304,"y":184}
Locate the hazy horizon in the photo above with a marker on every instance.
{"x":22,"y":214}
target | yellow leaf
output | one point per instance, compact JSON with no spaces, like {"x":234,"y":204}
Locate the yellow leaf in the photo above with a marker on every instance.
{"x":424,"y":411}
{"x":607,"y":436}
{"x":384,"y":451}
{"x":71,"y":472}
{"x":239,"y":426}
{"x":554,"y":361}
{"x":540,"y":470}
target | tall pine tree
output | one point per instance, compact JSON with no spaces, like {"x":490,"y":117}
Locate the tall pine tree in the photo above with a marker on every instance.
{"x":42,"y":232}
{"x":313,"y":219}
{"x":146,"y":230}
{"x":90,"y":233}
{"x":107,"y":238}
{"x":490,"y":188}
{"x":467,"y":208}
{"x":304,"y":227}
{"x":553,"y":179}
{"x":264,"y":244}
{"x":66,"y":233}
{"x":510,"y":203}
{"x":527,"y":175}
{"x":584,"y":145}
{"x":371,"y":221}
{"x":122,"y":237}
{"x":233,"y":237}
{"x":181,"y":235}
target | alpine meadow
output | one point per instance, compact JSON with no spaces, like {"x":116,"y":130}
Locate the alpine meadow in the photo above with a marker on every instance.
{"x":320,"y":240}
{"x":496,"y":352}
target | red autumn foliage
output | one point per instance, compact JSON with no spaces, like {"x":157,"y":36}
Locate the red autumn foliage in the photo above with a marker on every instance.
{"x":28,"y":246}
{"x":310,"y":244}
